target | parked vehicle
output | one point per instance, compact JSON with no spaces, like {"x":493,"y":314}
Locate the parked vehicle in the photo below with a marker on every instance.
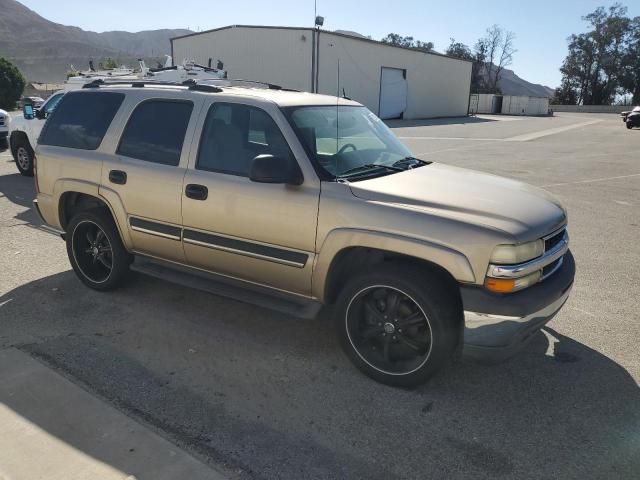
{"x":633,"y":118}
{"x":35,"y":102}
{"x":294,"y":201}
{"x":5,"y":119}
{"x":625,"y":113}
{"x":189,"y":70}
{"x":24,"y":132}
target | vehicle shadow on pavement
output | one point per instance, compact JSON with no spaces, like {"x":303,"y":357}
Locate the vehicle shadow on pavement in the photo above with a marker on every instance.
{"x":269,"y":396}
{"x":426,"y":122}
{"x":20,"y":190}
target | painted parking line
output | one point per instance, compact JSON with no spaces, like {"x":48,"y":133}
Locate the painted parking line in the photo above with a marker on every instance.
{"x":551,"y":131}
{"x":454,"y":138}
{"x":518,"y":138}
{"x":593,"y":180}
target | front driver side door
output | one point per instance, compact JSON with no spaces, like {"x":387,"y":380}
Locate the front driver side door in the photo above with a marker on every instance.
{"x":261,"y":233}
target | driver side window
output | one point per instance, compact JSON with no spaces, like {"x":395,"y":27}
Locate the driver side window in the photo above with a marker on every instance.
{"x":52,"y":103}
{"x":234,"y":134}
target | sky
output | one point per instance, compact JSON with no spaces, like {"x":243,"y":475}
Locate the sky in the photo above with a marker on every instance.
{"x":541,"y":26}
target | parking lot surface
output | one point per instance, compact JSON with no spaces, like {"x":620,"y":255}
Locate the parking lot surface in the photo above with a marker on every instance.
{"x":266,"y":396}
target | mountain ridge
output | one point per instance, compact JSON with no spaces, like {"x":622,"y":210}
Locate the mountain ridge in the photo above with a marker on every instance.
{"x":43,"y":50}
{"x":512,"y":84}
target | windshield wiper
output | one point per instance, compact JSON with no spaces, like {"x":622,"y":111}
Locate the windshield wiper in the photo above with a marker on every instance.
{"x":369,"y":166}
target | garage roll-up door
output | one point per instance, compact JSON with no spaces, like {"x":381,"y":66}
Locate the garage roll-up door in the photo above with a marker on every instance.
{"x":393,"y":93}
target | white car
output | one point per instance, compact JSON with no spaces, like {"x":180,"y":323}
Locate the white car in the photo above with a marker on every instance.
{"x":25,"y":130}
{"x":4,"y":127}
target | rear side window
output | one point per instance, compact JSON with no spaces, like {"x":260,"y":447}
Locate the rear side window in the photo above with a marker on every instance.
{"x":155,"y":131}
{"x":81,"y":120}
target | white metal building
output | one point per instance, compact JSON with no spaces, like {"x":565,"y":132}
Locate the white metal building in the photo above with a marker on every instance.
{"x":393,"y":82}
{"x":508,"y":104}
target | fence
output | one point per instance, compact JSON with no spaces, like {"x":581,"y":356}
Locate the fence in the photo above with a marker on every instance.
{"x":591,"y":108}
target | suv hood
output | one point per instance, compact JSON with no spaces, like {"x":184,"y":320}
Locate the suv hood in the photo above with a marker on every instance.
{"x":523,"y":211}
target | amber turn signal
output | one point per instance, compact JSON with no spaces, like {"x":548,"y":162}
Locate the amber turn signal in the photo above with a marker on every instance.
{"x":500,"y":285}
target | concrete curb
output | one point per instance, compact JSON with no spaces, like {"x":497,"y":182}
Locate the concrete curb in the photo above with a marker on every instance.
{"x":53,"y":429}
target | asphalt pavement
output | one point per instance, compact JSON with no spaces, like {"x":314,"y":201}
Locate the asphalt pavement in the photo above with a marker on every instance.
{"x":260,"y":395}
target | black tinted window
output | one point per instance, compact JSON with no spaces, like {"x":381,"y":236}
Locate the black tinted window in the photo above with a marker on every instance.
{"x":81,"y":120}
{"x":52,"y":103}
{"x":234,"y":134}
{"x":155,"y":131}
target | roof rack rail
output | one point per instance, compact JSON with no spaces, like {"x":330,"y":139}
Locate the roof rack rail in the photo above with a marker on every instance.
{"x":191,"y":84}
{"x":230,"y":81}
{"x":201,"y":87}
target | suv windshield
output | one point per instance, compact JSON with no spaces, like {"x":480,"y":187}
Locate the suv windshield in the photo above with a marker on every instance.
{"x":349,"y":142}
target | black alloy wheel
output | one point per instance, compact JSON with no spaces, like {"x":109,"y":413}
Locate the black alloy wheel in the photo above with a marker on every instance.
{"x":388,"y":330}
{"x":92,"y":251}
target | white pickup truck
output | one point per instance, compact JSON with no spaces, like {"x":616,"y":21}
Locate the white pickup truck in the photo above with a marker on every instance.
{"x":4,"y":127}
{"x":25,"y":130}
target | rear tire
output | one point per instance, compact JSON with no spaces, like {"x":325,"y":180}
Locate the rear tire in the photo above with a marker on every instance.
{"x":629,"y":125}
{"x":398,"y":324}
{"x":96,"y":252}
{"x":24,"y":157}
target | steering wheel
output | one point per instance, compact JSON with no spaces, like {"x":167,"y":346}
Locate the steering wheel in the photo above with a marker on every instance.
{"x":344,"y":147}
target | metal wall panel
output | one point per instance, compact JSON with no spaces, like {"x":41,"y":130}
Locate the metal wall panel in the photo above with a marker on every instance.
{"x":280,"y":56}
{"x":437,"y":86}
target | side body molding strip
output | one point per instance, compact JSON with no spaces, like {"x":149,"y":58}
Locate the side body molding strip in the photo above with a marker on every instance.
{"x":219,"y":242}
{"x":243,"y":247}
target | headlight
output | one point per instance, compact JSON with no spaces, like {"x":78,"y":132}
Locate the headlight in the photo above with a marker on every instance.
{"x":512,"y":254}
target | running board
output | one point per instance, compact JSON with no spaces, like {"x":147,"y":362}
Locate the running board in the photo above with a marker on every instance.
{"x":227,"y":287}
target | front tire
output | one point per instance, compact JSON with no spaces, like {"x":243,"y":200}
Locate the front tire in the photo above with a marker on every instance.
{"x":24,"y":158}
{"x":399,"y":324}
{"x":629,"y":125}
{"x":96,"y":252}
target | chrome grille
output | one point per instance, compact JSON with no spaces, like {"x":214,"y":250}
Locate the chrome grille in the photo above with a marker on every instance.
{"x":551,"y":268}
{"x":1,"y":120}
{"x":552,"y":240}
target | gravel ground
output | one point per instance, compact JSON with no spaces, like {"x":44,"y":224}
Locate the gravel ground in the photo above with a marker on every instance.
{"x":266,"y":396}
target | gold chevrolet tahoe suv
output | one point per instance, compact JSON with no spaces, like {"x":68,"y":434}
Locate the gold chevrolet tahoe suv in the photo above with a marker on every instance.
{"x":295,"y":201}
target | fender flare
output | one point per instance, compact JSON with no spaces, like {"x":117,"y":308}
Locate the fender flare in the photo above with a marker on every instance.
{"x":112,"y":200}
{"x":454,"y":262}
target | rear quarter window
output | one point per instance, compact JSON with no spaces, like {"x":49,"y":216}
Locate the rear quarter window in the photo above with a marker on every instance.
{"x":81,"y":120}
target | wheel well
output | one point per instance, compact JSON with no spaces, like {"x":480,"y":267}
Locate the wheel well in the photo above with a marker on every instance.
{"x":354,"y":260}
{"x":14,"y":138}
{"x":73,"y":202}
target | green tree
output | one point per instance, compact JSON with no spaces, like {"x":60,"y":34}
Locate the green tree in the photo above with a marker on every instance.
{"x":477,"y":57}
{"x":11,"y":84}
{"x":565,"y":94}
{"x":407,"y":42}
{"x":597,"y":64}
{"x":631,"y":63}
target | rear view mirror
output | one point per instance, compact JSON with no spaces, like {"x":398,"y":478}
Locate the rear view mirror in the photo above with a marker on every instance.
{"x":28,"y":112}
{"x":40,"y":114}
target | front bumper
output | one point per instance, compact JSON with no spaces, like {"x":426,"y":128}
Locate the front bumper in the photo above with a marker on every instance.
{"x":499,"y":325}
{"x":4,"y":134}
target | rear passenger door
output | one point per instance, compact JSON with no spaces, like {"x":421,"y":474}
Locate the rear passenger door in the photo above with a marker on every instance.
{"x":148,"y":168}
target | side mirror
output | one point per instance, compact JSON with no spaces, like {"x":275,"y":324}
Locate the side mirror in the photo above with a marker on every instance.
{"x":40,"y":114}
{"x":28,"y":112}
{"x":275,"y":169}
